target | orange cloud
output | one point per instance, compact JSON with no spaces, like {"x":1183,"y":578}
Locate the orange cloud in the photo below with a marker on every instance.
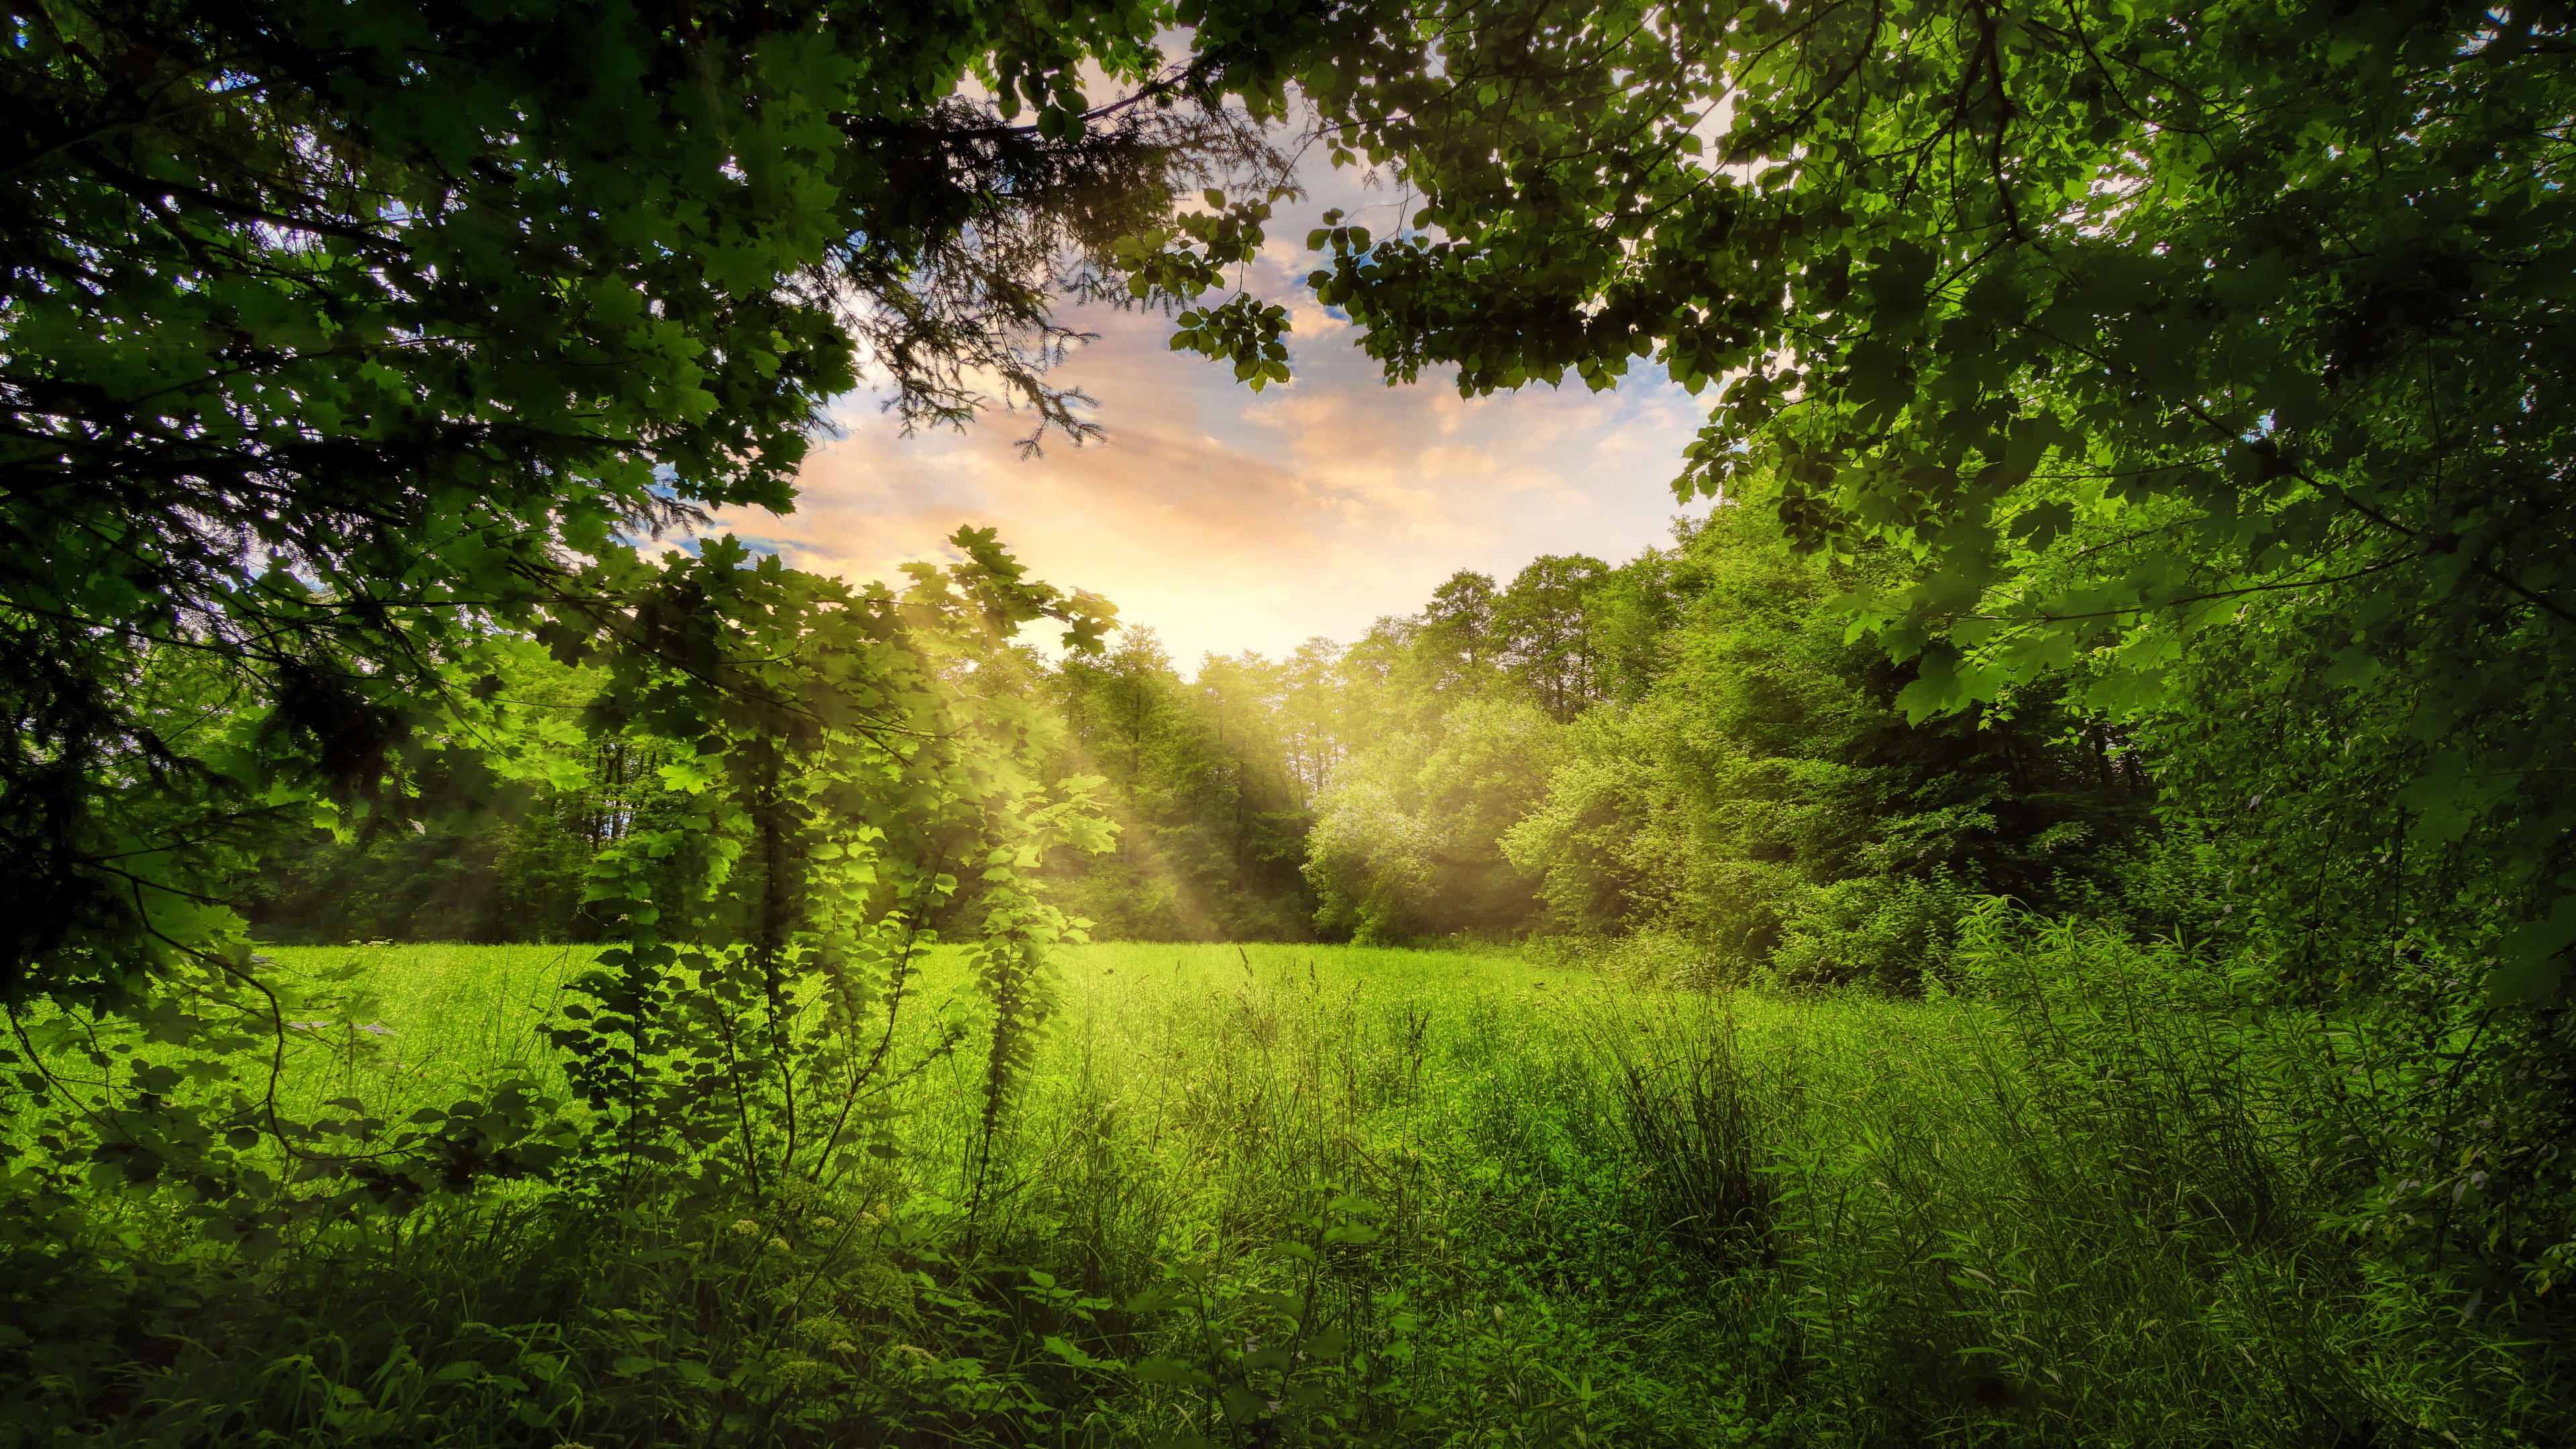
{"x":1228,"y":520}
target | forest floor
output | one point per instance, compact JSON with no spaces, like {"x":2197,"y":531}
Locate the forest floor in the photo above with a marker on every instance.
{"x":1279,"y":1194}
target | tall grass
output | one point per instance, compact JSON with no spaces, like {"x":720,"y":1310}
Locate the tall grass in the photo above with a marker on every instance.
{"x":1277,"y":1195}
{"x":431,"y":1021}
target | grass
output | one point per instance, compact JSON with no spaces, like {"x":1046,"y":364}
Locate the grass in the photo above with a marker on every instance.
{"x":454,"y":1019}
{"x":1276,"y":1194}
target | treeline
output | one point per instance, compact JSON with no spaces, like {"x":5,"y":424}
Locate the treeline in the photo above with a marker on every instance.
{"x":1691,"y":746}
{"x":1687,"y":746}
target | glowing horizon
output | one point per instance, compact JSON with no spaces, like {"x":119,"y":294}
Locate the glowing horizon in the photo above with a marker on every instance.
{"x":1227,"y":520}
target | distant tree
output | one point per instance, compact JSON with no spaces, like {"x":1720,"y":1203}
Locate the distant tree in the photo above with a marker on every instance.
{"x":1765,"y":796}
{"x":1630,"y":617}
{"x":1543,"y":634}
{"x":1314,"y":715}
{"x":1452,"y":642}
{"x":1407,"y":841}
{"x":1197,"y":777}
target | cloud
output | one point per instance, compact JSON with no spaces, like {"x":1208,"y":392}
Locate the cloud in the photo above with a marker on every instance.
{"x":1228,"y":520}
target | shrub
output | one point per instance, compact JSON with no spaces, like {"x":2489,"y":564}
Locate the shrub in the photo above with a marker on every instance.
{"x":1881,"y":931}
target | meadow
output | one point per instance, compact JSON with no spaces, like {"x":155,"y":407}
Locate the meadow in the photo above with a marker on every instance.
{"x":1301,"y":1194}
{"x":2046,"y":897}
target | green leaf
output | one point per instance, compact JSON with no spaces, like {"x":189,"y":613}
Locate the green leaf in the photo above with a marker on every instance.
{"x":2530,"y":971}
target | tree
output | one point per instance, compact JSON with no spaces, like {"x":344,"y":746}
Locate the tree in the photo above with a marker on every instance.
{"x":1197,"y":778}
{"x":341,"y":336}
{"x":1765,"y":799}
{"x":1631,"y":614}
{"x":1542,"y":627}
{"x":1314,"y":715}
{"x":353,"y":351}
{"x":1452,"y":641}
{"x":1408,"y":840}
{"x":2214,"y":354}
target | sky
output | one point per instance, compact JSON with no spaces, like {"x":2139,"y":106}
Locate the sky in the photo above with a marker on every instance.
{"x":1227,"y":520}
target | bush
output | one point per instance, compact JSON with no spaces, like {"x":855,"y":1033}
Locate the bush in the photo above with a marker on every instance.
{"x":1886,"y":932}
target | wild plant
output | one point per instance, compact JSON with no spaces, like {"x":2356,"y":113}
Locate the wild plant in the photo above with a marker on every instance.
{"x":1703,"y":1121}
{"x":731,"y":1056}
{"x":2090,"y":1206}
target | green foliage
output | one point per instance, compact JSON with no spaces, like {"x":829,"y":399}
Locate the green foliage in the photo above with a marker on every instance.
{"x":1205,"y":783}
{"x":1480,"y":1196}
{"x":348,"y":343}
{"x":2193,"y":358}
{"x":1765,"y":797}
{"x":1699,"y":1116}
{"x":1200,"y":780}
{"x":352,"y":351}
{"x":1691,"y":745}
{"x":2171,"y":391}
{"x":1544,"y":633}
{"x":835,"y":782}
{"x":1567,"y":633}
{"x":1244,"y":331}
{"x":1408,"y":841}
{"x":476,"y":869}
{"x":842,"y":781}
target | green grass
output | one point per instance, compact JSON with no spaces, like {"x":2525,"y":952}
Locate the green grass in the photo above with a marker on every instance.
{"x":1281,"y":1194}
{"x":453,"y":1019}
{"x":456,"y":1018}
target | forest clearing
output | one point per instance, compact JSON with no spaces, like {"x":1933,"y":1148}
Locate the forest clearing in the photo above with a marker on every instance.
{"x":1213,"y":724}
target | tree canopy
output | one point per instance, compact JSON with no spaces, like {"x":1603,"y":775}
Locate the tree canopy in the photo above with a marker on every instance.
{"x":355,"y":357}
{"x":340,"y":335}
{"x":2126,"y":320}
{"x":2212,"y":357}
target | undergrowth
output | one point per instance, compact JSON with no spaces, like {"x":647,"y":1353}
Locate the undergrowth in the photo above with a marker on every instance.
{"x":1315,"y":1197}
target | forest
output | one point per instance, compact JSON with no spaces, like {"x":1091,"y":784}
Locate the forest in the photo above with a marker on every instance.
{"x":2039,"y":915}
{"x":1684,"y":749}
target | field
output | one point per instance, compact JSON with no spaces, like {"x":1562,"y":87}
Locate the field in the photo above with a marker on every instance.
{"x":1273,"y":1194}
